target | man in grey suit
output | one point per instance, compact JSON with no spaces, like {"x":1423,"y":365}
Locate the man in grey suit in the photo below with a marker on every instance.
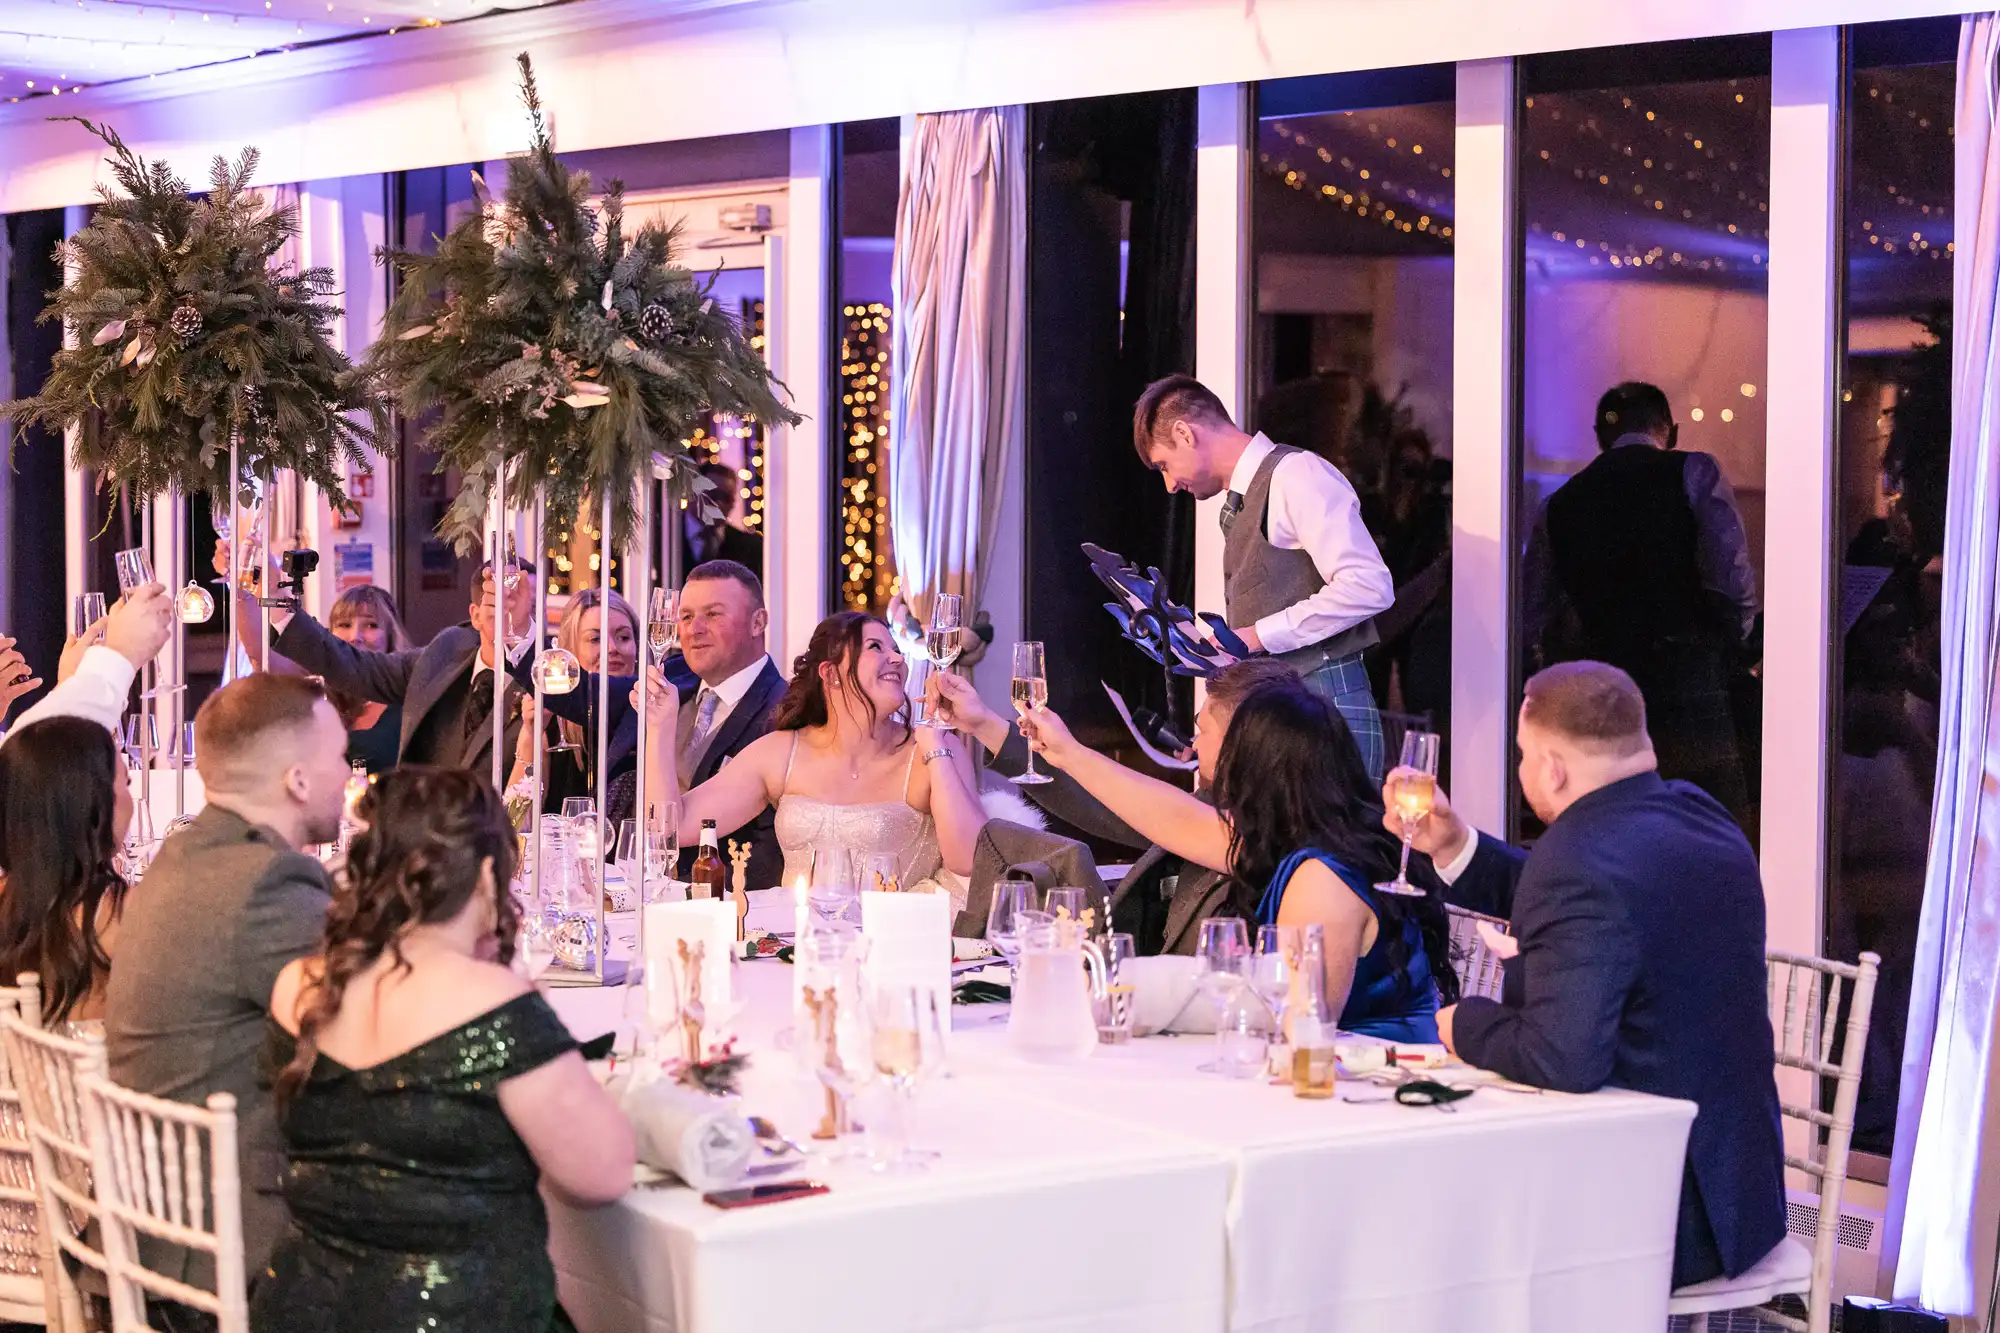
{"x":445,"y":687}
{"x":227,"y":903}
{"x":1162,"y":900}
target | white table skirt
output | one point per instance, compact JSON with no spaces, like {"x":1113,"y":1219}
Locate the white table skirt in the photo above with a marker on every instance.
{"x":1141,"y":1194}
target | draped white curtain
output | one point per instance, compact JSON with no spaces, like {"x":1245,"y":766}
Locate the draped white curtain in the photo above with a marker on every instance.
{"x":1943,"y":1186}
{"x":959,"y":365}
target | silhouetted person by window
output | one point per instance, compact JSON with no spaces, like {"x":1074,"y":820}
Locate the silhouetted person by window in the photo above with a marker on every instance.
{"x":1640,"y":560}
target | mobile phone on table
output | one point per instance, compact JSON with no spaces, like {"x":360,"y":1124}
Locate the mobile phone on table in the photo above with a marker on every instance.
{"x":751,"y":1196}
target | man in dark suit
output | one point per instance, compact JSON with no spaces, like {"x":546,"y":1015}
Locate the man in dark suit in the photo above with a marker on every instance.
{"x":1162,"y":900}
{"x":721,"y":540}
{"x":229,"y":901}
{"x":1640,"y":921}
{"x":445,"y":687}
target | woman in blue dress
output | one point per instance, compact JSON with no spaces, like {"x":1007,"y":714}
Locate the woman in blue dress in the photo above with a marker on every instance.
{"x":1296,"y":825}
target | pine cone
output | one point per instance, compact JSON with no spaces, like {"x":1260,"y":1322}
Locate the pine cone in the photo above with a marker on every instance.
{"x":655,"y":323}
{"x":185,"y":321}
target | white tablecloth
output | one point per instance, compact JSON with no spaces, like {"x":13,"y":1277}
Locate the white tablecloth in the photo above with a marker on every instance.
{"x":1132,"y":1192}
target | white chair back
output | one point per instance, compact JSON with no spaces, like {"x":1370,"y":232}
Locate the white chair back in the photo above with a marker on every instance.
{"x":27,"y":1281}
{"x":1805,"y":996}
{"x":1478,"y":967}
{"x":167,"y":1172}
{"x":46,"y":1067}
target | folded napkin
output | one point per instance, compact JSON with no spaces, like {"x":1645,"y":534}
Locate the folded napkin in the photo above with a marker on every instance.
{"x":704,"y":1140}
{"x":1166,"y":995}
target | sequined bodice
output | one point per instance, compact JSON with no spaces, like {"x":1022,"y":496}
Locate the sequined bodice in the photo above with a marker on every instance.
{"x":414,"y":1204}
{"x":805,"y":824}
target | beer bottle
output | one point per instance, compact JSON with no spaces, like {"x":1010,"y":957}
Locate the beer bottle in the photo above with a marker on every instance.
{"x":708,"y":879}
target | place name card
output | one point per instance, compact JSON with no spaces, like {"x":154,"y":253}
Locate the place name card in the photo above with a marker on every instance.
{"x":709,"y":922}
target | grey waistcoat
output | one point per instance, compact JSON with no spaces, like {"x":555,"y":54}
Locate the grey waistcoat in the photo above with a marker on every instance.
{"x":1259,"y":579}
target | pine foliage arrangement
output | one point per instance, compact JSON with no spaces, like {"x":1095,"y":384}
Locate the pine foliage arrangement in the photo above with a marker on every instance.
{"x":542,"y":338}
{"x":187,"y":334}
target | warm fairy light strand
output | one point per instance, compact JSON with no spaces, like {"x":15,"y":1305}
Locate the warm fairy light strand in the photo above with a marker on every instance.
{"x":867,"y":580}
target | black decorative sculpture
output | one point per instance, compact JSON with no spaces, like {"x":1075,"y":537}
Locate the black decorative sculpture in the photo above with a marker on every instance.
{"x":1163,"y":630}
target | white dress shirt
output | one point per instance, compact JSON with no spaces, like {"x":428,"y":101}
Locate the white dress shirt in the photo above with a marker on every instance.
{"x":97,"y":690}
{"x":1314,"y":509}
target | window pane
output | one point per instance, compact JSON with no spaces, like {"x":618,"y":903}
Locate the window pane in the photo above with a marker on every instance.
{"x":1895,"y":450}
{"x":1351,"y":347}
{"x":1644,"y":192}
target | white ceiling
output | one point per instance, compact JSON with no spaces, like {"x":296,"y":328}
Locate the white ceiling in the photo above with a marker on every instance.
{"x":72,"y":44}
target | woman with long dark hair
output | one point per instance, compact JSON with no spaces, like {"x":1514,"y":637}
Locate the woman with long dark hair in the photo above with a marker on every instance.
{"x":64,"y":809}
{"x":842,"y":765}
{"x":425,"y":1090}
{"x":1296,"y":826}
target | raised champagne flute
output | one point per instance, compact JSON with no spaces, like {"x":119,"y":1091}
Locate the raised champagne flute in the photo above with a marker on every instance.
{"x":1412,"y":792}
{"x":86,"y":609}
{"x":941,"y":641}
{"x":1030,"y":690}
{"x":663,"y":625}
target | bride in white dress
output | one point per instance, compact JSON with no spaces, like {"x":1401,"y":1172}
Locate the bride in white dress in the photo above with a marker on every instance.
{"x":841,"y":765}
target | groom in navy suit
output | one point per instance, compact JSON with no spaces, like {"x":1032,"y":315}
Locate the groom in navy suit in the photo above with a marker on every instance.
{"x":1640,"y":917}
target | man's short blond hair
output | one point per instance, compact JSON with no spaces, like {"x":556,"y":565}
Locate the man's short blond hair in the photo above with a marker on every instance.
{"x":1592,"y":703}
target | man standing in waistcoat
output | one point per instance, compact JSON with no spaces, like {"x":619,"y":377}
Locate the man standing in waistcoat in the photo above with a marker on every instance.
{"x":1301,"y":578}
{"x":1640,"y":560}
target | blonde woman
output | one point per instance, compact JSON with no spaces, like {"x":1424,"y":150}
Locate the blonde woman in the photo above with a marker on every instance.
{"x":573,"y":771}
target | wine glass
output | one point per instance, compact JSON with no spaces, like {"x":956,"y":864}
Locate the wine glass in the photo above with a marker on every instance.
{"x":1273,"y":967}
{"x":941,"y":641}
{"x":1058,"y":901}
{"x":882,"y":872}
{"x":834,"y":1040}
{"x":638,"y":879}
{"x":534,"y":943}
{"x":835,"y":882}
{"x":663,"y":624}
{"x":1411,"y":795}
{"x":135,"y":569}
{"x":1222,"y":951}
{"x":1011,"y":910}
{"x":85,"y":610}
{"x":1030,"y":689}
{"x":906,"y":1043}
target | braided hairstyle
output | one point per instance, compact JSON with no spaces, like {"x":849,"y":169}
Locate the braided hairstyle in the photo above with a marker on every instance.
{"x":428,"y":832}
{"x":1290,"y":777}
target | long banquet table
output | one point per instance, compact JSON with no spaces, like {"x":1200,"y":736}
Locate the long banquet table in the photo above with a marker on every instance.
{"x":1132,"y":1192}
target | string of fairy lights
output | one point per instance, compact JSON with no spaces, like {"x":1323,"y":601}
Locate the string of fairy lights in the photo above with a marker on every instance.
{"x":867,"y":575}
{"x":1639,"y":156}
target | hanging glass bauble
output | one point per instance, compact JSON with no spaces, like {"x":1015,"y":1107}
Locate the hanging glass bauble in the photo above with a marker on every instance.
{"x":558,"y":671}
{"x":196,"y":604}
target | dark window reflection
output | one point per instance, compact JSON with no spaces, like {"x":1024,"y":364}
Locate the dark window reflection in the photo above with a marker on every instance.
{"x":1352,"y":227}
{"x":1895,"y":443}
{"x":1644,"y":188}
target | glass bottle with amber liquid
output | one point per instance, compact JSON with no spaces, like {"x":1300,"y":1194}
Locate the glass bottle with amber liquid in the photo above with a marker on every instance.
{"x":708,"y":878}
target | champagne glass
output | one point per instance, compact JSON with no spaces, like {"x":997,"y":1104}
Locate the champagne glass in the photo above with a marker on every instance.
{"x":534,"y":943}
{"x":663,"y":625}
{"x":1030,"y":690}
{"x":86,"y":609}
{"x":1412,"y":792}
{"x":656,"y":870}
{"x":1273,"y":966}
{"x":918,"y":693}
{"x":1222,"y":951}
{"x":835,"y":881}
{"x":835,"y":1040}
{"x":906,"y":1042}
{"x":941,"y":641}
{"x":1011,"y":909}
{"x":135,"y":569}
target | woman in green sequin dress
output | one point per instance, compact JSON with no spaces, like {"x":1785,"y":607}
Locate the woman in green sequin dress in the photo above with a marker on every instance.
{"x":425,"y":1090}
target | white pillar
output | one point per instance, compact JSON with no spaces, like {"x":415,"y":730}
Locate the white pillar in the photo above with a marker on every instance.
{"x":1225,"y":135}
{"x":1485,"y":385}
{"x":797,"y":486}
{"x":76,"y":485}
{"x":1802,"y":383}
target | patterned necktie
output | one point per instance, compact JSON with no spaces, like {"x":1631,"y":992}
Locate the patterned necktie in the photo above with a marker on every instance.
{"x":1232,"y":505}
{"x":705,"y":705}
